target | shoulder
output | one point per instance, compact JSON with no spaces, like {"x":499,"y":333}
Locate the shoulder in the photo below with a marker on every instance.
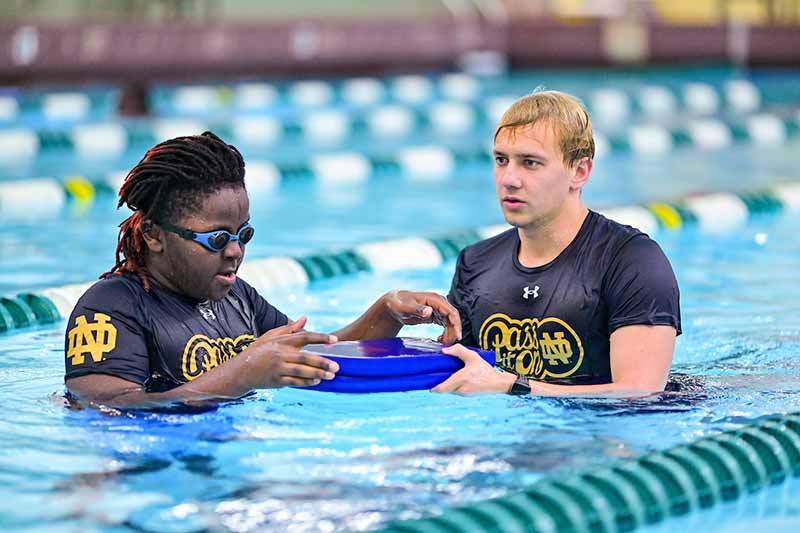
{"x":121,"y":298}
{"x":627,"y":243}
{"x":612,"y":232}
{"x":614,"y":242}
{"x":636,"y":256}
{"x":488,"y":249}
{"x":113,"y":291}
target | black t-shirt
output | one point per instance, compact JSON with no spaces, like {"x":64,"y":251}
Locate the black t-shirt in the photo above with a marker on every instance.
{"x":157,"y":338}
{"x":553,"y":322}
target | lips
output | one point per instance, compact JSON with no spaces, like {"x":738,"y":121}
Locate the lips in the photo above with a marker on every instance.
{"x":227,"y":276}
{"x":512,"y":202}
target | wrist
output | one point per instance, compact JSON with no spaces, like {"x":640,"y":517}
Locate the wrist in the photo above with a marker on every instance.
{"x":520,"y":386}
{"x":386,"y":311}
{"x":505,"y":381}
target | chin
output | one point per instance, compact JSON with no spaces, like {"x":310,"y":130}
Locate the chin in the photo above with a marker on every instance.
{"x":219,"y":294}
{"x":516,"y":220}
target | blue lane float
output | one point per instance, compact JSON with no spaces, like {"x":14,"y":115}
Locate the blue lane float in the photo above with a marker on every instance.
{"x":389,"y":365}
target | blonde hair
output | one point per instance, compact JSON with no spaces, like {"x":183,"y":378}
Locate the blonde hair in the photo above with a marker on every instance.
{"x":562,"y":111}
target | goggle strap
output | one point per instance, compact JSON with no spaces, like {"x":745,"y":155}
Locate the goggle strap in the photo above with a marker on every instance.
{"x":181,"y":232}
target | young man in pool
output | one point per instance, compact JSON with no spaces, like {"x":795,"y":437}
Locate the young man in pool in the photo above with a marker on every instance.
{"x":572,"y":303}
{"x":172,"y":323}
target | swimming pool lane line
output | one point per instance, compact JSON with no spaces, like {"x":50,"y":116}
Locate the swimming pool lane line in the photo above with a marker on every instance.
{"x":108,"y":140}
{"x":711,"y":212}
{"x":636,"y":492}
{"x":649,"y":98}
{"x":27,"y":199}
{"x":643,"y":97}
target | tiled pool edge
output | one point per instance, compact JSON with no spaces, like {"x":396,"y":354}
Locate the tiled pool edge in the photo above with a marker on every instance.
{"x":712,"y":212}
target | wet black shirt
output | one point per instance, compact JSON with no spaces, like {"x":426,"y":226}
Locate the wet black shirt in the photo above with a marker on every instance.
{"x":160,"y":339}
{"x":553,"y":322}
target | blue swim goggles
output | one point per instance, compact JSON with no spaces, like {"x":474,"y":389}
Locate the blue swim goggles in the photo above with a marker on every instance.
{"x":216,"y":240}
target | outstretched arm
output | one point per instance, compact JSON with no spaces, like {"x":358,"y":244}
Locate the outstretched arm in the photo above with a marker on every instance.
{"x":641,"y":357}
{"x":272,"y":361}
{"x":395,"y":309}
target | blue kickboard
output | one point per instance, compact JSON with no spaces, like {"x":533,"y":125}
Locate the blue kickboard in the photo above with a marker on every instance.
{"x":357,"y":385}
{"x":397,"y":356}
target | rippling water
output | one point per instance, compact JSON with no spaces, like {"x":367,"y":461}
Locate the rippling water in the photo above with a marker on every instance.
{"x":310,"y":461}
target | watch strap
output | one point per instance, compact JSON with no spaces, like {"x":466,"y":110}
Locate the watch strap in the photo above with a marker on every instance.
{"x":520,"y":386}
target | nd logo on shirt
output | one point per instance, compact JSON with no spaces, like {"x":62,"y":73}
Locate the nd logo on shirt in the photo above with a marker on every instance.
{"x":546,"y":348}
{"x":92,"y":338}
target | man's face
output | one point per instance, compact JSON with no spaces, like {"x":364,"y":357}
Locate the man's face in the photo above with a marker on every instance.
{"x":194,"y":270}
{"x":530,"y":176}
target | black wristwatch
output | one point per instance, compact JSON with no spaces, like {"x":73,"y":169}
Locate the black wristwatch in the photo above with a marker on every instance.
{"x":520,"y":386}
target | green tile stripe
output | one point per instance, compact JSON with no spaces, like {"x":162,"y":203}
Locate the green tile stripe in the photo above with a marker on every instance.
{"x":637,"y":492}
{"x":28,"y":309}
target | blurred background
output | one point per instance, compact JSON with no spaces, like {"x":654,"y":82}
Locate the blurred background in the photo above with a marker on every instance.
{"x":362,"y":120}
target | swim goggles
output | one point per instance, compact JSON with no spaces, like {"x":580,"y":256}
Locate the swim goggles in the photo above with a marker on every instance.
{"x":216,"y":240}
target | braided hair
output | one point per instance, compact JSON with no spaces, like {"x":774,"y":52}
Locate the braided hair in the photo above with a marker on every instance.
{"x":167,"y":183}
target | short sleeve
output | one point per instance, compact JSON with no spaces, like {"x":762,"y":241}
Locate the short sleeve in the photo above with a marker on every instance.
{"x":459,"y":297}
{"x":266,"y":315}
{"x":104,"y":335}
{"x":640,"y":287}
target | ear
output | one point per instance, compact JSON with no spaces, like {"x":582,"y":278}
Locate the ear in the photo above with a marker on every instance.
{"x":580,"y":174}
{"x":153,"y":236}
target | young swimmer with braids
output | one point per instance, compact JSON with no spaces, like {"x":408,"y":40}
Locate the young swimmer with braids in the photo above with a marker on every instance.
{"x":172,"y":323}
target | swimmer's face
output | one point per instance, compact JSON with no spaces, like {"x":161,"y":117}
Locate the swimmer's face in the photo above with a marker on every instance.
{"x":189,"y":268}
{"x":531,"y":179}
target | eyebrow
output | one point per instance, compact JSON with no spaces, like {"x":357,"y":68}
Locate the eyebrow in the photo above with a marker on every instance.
{"x":226,"y":228}
{"x":521,"y":156}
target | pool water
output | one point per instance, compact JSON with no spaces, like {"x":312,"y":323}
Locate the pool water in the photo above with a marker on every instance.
{"x":319,"y":461}
{"x":300,"y":460}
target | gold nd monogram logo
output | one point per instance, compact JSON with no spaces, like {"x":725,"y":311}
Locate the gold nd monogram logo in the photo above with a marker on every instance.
{"x":94,"y":339}
{"x":532,"y":347}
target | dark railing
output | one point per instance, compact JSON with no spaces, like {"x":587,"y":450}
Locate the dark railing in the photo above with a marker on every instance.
{"x":181,"y":39}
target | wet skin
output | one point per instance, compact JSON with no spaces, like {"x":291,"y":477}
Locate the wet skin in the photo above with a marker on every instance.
{"x":187,"y":267}
{"x":531,"y":179}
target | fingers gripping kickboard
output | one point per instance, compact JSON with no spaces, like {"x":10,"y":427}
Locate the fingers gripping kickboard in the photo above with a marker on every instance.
{"x":389,"y":365}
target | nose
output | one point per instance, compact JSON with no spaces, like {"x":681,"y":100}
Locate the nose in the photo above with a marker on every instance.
{"x":233,"y":250}
{"x":510,"y":176}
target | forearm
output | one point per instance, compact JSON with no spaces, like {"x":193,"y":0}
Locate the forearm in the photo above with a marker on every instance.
{"x":503,"y":381}
{"x":606,"y":390}
{"x":224,"y":382}
{"x":375,"y":323}
{"x":140,"y":399}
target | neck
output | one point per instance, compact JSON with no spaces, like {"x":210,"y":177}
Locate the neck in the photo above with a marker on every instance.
{"x":543,"y":240}
{"x":157,"y":271}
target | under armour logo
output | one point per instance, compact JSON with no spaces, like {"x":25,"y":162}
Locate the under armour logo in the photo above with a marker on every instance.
{"x":206,"y":311}
{"x":527,"y":291}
